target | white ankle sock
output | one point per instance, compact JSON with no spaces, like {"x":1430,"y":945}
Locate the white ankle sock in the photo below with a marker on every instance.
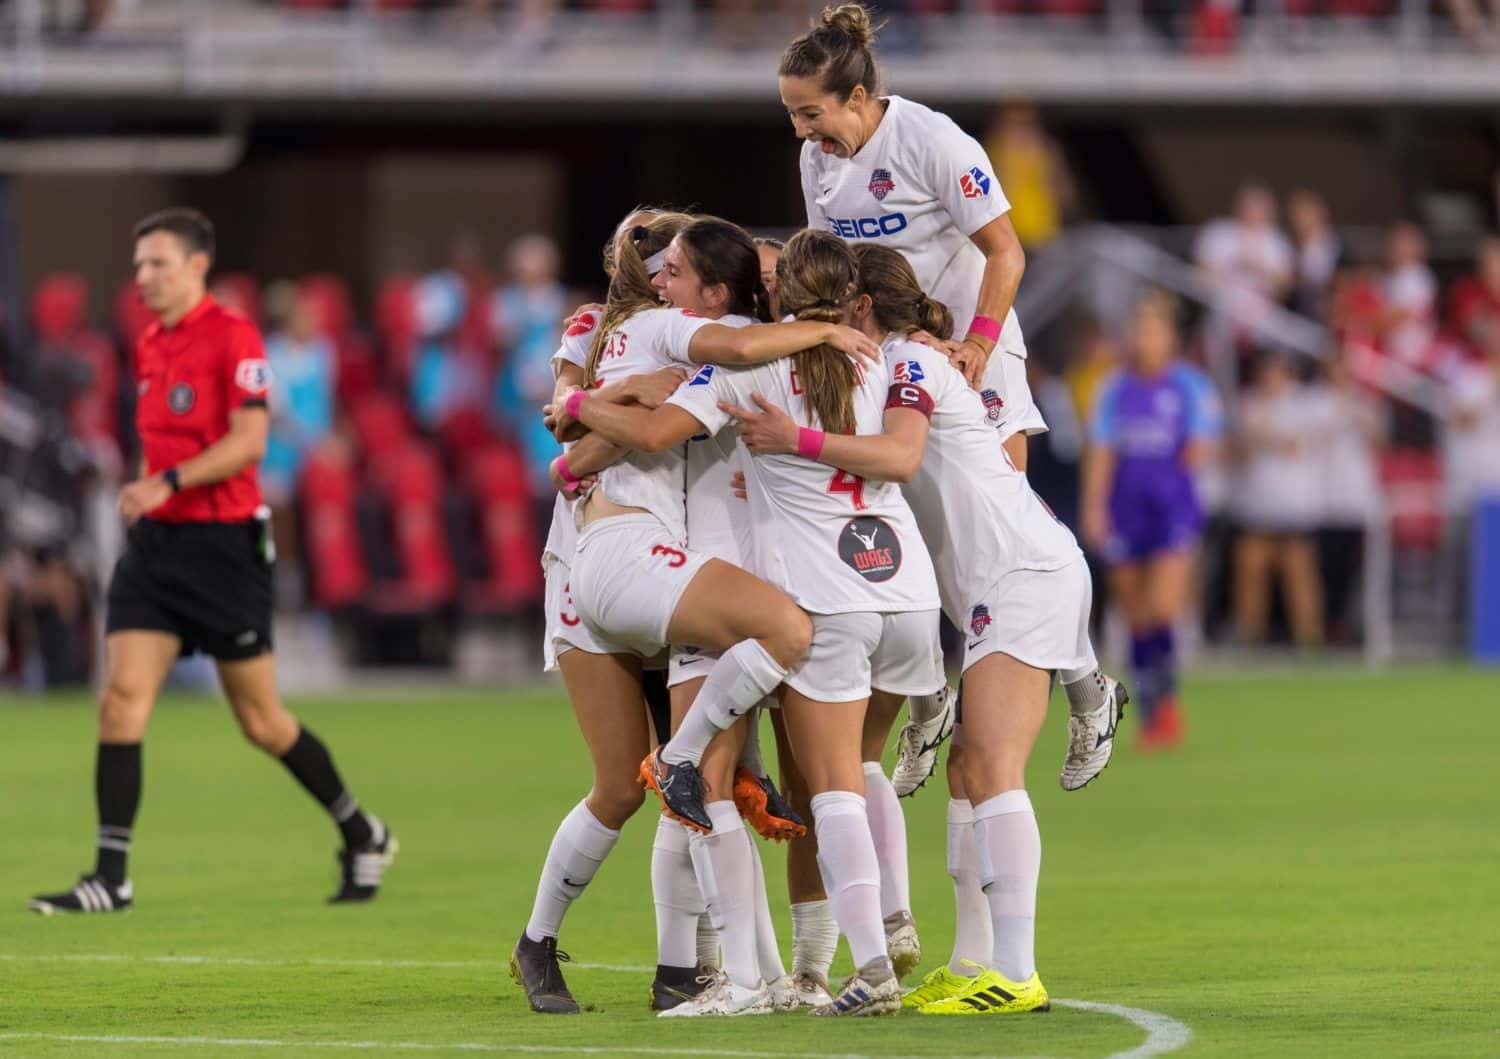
{"x":815,"y":937}
{"x":1085,"y":688}
{"x":741,"y":677}
{"x":924,"y":707}
{"x":973,"y":932}
{"x":888,"y":831}
{"x":767,"y":949}
{"x":851,"y":872}
{"x":578,"y":848}
{"x":724,"y":864}
{"x":708,"y":940}
{"x":750,"y":754}
{"x":1010,"y":860}
{"x":679,"y":901}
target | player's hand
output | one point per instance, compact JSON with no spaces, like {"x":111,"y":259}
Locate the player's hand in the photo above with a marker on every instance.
{"x":143,"y":497}
{"x":768,"y":432}
{"x":927,"y":338}
{"x":737,"y":485}
{"x":567,"y":489}
{"x":556,"y":419}
{"x":855,"y":344}
{"x":971,"y":359}
{"x":1094,"y":523}
{"x":652,"y":391}
{"x":590,"y":307}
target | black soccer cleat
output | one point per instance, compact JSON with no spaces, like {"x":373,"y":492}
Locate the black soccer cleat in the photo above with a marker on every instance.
{"x":535,"y":967}
{"x":94,"y":893}
{"x":680,"y":788}
{"x":363,"y":869}
{"x":676,"y":985}
{"x":762,"y":805}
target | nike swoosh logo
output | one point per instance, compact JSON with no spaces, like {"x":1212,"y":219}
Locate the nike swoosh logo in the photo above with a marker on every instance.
{"x":575,"y":885}
{"x":666,"y":784}
{"x":975,"y":644}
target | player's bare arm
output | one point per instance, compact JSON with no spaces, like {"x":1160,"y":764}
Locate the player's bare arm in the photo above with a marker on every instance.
{"x":244,"y":445}
{"x":892,"y":456}
{"x":759,"y":343}
{"x":1004,"y":263}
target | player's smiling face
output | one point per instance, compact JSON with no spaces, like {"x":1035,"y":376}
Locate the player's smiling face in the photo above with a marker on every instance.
{"x":822,"y":118}
{"x":679,"y":284}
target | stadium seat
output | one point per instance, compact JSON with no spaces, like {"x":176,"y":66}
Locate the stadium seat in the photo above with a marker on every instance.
{"x":131,"y":315}
{"x":396,"y":324}
{"x":335,"y":557}
{"x":380,"y":424}
{"x":1413,"y":480}
{"x":239,"y":291}
{"x":59,"y":308}
{"x":410,"y":481}
{"x":496,"y":480}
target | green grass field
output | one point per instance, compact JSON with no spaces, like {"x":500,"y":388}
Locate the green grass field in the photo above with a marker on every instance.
{"x":1316,"y":874}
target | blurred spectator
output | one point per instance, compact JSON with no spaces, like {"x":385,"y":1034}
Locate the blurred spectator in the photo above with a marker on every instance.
{"x":1474,"y":306}
{"x":1246,"y":257}
{"x":1282,"y":437}
{"x":448,"y":375}
{"x":1092,"y":359}
{"x":524,"y":317}
{"x":1031,"y":169}
{"x":302,"y":380}
{"x":1472,"y":440}
{"x":1409,"y":296}
{"x":1355,"y":424}
{"x":1317,"y":250}
{"x":1480,"y":31}
{"x":1054,"y":455}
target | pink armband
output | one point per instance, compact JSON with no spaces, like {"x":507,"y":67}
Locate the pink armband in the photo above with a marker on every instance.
{"x":573,"y":403}
{"x":566,"y":473}
{"x":809,"y":443}
{"x":985,"y":327}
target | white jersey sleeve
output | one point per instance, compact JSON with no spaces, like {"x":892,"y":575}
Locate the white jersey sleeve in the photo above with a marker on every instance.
{"x":959,"y":175}
{"x":817,"y":217}
{"x":576,"y":342}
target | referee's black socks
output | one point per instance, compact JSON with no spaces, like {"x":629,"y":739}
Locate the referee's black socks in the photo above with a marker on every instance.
{"x":310,"y":762}
{"x":117,"y":794}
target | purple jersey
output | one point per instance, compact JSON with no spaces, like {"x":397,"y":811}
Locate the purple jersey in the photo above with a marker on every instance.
{"x":1148,"y":421}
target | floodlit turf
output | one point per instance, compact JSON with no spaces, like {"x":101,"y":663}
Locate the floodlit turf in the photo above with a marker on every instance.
{"x":1315,"y":875}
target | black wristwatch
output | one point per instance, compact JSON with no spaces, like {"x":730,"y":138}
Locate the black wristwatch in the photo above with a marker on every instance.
{"x":170,"y":477}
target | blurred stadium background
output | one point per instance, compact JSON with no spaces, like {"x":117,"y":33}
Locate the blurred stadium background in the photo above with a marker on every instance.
{"x":411,"y":195}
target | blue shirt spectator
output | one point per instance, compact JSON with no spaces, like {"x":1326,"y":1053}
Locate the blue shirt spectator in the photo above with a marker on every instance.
{"x":526,"y":314}
{"x":302,"y":371}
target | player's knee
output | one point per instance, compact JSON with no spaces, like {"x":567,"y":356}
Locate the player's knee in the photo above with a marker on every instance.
{"x":266,"y":727}
{"x":792,"y":638}
{"x":614,"y":803}
{"x":122,"y":710}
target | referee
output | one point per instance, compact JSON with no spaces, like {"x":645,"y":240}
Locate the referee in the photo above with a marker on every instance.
{"x":196,"y":573}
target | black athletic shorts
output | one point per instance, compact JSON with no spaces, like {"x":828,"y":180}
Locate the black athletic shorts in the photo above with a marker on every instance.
{"x":204,"y":582}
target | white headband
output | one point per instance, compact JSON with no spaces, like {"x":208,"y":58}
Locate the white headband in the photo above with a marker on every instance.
{"x":656,"y":262}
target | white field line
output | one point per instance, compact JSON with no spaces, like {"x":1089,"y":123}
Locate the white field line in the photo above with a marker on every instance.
{"x":1163,"y":1033}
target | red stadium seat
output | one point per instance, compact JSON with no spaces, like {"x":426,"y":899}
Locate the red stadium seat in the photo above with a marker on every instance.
{"x":131,"y":315}
{"x":1413,"y":481}
{"x":396,"y":323}
{"x":239,"y":291}
{"x":59,"y":306}
{"x":410,"y":480}
{"x":380,"y":424}
{"x":335,"y":558}
{"x":496,"y":477}
{"x":335,"y":307}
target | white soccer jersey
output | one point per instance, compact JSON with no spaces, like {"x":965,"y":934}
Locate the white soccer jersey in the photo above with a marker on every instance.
{"x":834,"y":542}
{"x":562,"y":536}
{"x":978,"y":514}
{"x":717,"y":523}
{"x":921,"y":185}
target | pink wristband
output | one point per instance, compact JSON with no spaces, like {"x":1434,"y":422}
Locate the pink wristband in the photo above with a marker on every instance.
{"x":985,"y":327}
{"x":573,"y":403}
{"x":565,"y":472}
{"x":809,"y":443}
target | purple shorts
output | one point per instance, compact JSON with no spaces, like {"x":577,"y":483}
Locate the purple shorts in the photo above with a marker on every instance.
{"x":1150,"y":517}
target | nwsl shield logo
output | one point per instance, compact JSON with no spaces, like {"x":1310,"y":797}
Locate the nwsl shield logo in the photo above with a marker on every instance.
{"x":994,"y":404}
{"x":975,"y":184}
{"x":979,"y":620}
{"x":881,"y":183}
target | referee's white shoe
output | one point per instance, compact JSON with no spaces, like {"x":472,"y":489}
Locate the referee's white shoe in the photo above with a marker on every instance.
{"x":1091,"y":737}
{"x":917,"y":745}
{"x":94,"y":893}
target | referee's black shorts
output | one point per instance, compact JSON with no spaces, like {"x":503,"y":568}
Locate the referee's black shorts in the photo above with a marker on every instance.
{"x":204,"y":582}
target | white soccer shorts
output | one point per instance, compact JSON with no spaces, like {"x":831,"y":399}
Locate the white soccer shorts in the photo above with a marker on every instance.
{"x":1007,"y":397}
{"x":1040,"y":617}
{"x":851,"y":653}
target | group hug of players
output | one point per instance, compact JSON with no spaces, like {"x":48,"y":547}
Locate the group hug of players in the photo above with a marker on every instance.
{"x":780,"y":467}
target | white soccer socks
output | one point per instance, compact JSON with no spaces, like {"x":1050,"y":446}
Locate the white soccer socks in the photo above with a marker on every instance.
{"x":888,"y":830}
{"x":741,"y":677}
{"x":725,"y":865}
{"x":815,"y":938}
{"x":1086,"y":689}
{"x":578,"y":848}
{"x":679,"y":901}
{"x":767,"y":950}
{"x":973,"y":937}
{"x":851,"y":872}
{"x":1010,"y":860}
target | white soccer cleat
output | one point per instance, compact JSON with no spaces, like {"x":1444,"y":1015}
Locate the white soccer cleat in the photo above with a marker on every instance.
{"x":784,"y":996}
{"x":1091,"y":738}
{"x":723,"y":997}
{"x":902,"y":943}
{"x":917,"y":746}
{"x":812,"y":989}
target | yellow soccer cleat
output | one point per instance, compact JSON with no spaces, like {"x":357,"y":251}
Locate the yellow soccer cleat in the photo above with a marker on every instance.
{"x":939,"y":984}
{"x":993,"y":994}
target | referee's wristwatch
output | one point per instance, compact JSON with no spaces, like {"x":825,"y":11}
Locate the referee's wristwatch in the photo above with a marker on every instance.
{"x":173,"y":481}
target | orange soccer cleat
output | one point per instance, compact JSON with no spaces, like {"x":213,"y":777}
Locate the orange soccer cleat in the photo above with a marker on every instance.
{"x":759,"y":802}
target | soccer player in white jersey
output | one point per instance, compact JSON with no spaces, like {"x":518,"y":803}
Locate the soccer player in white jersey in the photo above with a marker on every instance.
{"x":892,"y":172}
{"x":636,"y":580}
{"x":1008,"y":572}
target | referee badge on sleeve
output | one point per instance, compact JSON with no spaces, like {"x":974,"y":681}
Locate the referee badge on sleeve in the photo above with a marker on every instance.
{"x":253,"y":376}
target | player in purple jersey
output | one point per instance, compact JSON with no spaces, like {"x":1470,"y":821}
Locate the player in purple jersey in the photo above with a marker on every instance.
{"x":1154,"y":424}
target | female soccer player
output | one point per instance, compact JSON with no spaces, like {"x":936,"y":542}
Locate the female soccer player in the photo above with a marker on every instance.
{"x":1154,"y":424}
{"x":1021,"y":588}
{"x":849,"y":552}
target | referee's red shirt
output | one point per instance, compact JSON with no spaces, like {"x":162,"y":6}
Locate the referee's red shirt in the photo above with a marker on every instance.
{"x":188,"y":379}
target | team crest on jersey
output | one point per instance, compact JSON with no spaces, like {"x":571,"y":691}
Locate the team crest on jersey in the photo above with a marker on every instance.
{"x":870,"y":548}
{"x":908,"y":371}
{"x":979,"y":620}
{"x":253,"y":376}
{"x":881,"y":184}
{"x":181,"y":398}
{"x":975,"y":184}
{"x":704,"y":377}
{"x":582,"y":325}
{"x":994,"y":404}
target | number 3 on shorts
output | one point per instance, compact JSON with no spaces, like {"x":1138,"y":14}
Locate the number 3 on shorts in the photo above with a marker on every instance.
{"x":675,"y":558}
{"x":844,"y":482}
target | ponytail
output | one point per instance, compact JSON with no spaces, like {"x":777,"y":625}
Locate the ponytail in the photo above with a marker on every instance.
{"x":819,"y":280}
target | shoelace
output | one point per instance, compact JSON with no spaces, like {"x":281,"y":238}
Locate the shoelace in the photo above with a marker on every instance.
{"x":552,"y":978}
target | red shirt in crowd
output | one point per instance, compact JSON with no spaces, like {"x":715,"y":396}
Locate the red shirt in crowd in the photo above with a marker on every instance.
{"x":188,"y":379}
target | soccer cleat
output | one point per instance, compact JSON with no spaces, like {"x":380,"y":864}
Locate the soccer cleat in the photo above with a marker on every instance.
{"x":759,"y":802}
{"x":812,"y":989}
{"x":680,"y":788}
{"x":720,"y":996}
{"x":535,"y":967}
{"x":1091,"y":738}
{"x":940,"y":984}
{"x":902,"y":943}
{"x":784,"y":994}
{"x":94,"y":893}
{"x":873,"y":990}
{"x":675,"y":985}
{"x":917,"y":747}
{"x":994,"y":994}
{"x":364,"y":868}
